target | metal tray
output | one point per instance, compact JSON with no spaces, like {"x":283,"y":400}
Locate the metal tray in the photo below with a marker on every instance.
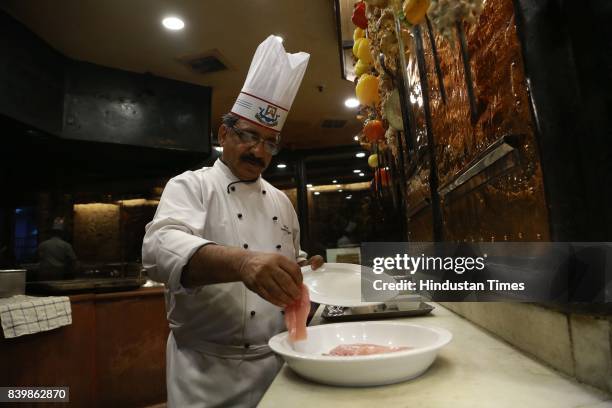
{"x":346,"y":314}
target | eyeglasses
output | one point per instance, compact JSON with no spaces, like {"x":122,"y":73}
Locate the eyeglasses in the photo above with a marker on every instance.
{"x":254,"y":139}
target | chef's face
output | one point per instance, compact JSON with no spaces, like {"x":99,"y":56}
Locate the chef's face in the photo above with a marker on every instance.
{"x":246,"y":160}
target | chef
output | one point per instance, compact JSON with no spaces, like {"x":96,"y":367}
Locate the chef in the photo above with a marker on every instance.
{"x":226,"y":245}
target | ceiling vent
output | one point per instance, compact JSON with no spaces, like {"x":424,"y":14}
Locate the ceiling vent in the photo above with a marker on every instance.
{"x":333,"y":123}
{"x":205,"y":63}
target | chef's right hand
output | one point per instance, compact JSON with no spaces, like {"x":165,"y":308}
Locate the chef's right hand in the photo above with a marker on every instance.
{"x":273,"y":277}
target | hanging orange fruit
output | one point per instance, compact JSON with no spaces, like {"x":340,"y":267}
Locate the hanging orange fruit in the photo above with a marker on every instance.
{"x":374,"y":130}
{"x":367,"y":90}
{"x":415,"y":10}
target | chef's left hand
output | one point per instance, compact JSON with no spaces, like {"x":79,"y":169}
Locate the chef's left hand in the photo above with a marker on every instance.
{"x":315,"y":262}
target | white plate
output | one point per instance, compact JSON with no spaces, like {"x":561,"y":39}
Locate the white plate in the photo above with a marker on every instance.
{"x":306,"y":357}
{"x":339,"y":284}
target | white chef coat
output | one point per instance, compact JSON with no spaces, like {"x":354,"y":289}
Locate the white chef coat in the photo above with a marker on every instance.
{"x":217,"y":353}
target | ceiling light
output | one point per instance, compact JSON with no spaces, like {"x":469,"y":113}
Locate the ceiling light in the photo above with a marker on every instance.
{"x":361,"y":174}
{"x":317,"y":193}
{"x":356,"y":171}
{"x":173,"y":23}
{"x":351,"y":103}
{"x":309,"y":185}
{"x":279,"y":38}
{"x":348,"y":197}
{"x":360,"y":154}
{"x":281,"y":165}
{"x":334,"y":181}
{"x":356,"y":138}
{"x":340,"y":190}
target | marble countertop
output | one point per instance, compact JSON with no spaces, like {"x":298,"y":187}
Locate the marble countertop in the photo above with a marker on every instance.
{"x":476,"y":369}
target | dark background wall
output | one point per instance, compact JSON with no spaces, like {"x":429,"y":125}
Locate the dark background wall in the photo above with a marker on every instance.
{"x":57,"y":96}
{"x":113,"y":106}
{"x":31,"y":78}
{"x":567,"y":47}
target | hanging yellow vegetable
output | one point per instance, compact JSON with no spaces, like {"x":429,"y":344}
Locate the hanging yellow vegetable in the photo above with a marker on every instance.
{"x":356,"y":46}
{"x":361,"y":68}
{"x":363,"y":51}
{"x":415,"y":10}
{"x":367,"y":90}
{"x":373,"y":160}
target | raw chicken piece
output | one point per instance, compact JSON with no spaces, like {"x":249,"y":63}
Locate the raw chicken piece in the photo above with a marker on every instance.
{"x":361,"y":349}
{"x":296,"y":315}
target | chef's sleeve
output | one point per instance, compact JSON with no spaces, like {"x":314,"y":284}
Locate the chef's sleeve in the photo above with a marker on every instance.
{"x":176,"y":231}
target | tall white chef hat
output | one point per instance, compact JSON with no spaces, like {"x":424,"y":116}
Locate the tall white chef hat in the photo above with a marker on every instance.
{"x":271,"y":84}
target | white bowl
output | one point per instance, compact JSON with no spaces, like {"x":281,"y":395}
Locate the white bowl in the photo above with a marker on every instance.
{"x":307,"y":359}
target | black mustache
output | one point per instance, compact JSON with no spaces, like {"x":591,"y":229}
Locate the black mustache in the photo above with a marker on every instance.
{"x":253,"y":160}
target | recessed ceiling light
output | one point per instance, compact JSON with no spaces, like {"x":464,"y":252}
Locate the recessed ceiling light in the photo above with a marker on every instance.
{"x":356,"y":171}
{"x":281,"y":165}
{"x":348,"y":197}
{"x":360,"y":154}
{"x":317,"y":193}
{"x":351,"y":103}
{"x":356,"y":138}
{"x":279,"y":38}
{"x":334,"y":181}
{"x":173,"y":23}
{"x":340,"y":190}
{"x":361,"y":174}
{"x":309,"y":185}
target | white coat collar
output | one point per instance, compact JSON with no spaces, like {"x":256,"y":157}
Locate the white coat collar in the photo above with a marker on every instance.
{"x":232,"y":179}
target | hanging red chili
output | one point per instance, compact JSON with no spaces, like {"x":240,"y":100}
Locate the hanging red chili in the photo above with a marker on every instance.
{"x":359,"y":17}
{"x":382,"y":176}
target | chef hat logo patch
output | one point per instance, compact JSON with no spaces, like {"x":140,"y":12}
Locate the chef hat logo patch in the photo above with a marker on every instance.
{"x":268,"y":116}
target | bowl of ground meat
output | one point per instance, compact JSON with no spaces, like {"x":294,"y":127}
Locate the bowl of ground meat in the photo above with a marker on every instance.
{"x":362,"y":354}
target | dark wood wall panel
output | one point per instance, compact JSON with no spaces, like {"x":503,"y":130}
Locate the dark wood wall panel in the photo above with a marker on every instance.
{"x":508,"y":203}
{"x":113,"y":353}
